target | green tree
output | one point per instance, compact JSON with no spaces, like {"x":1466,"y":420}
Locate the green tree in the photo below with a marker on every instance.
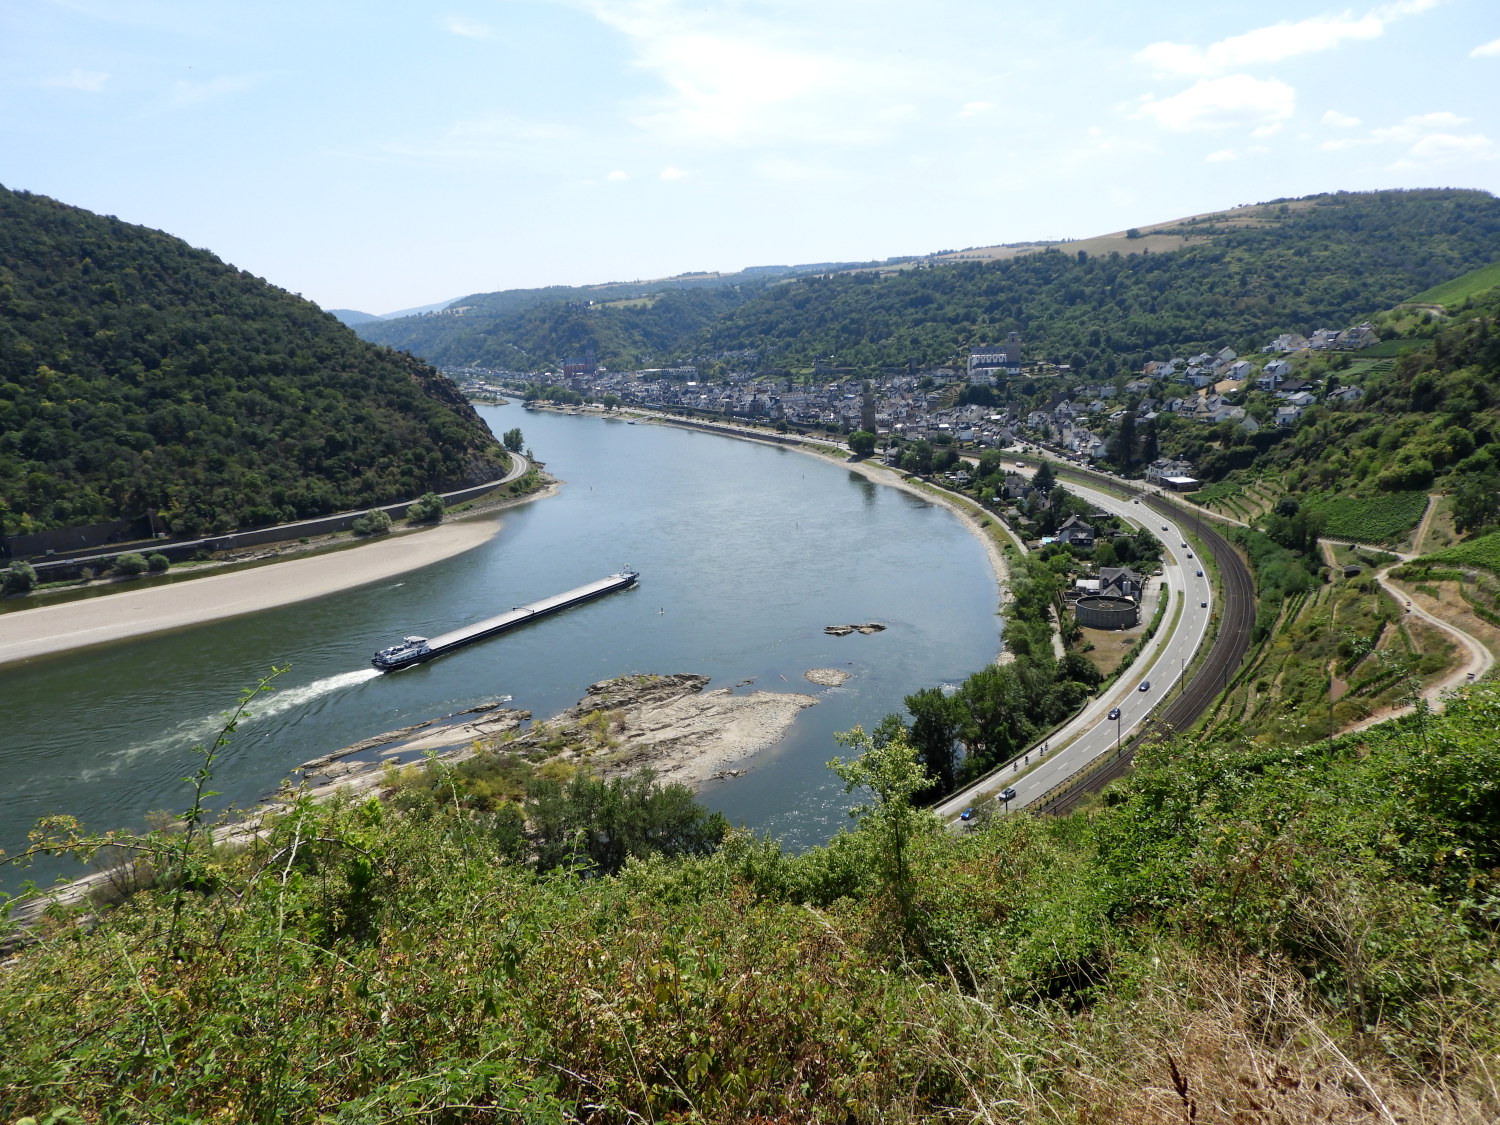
{"x":18,"y":579}
{"x":427,"y":508}
{"x":512,"y":440}
{"x":862,"y":443}
{"x":130,"y":564}
{"x":598,"y":825}
{"x":1046,"y":477}
{"x":611,"y":402}
{"x":377,"y":521}
{"x":157,"y":562}
{"x":1476,"y":501}
{"x":937,"y":722}
{"x":892,"y":774}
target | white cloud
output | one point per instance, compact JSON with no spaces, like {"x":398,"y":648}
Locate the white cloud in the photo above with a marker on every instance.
{"x":669,"y":173}
{"x":1441,"y":147}
{"x":1280,"y":41}
{"x":617,"y":175}
{"x":1430,"y":139}
{"x":1223,"y":156}
{"x":975,"y":109}
{"x":1270,"y":130}
{"x":1413,"y":128}
{"x":1488,"y":50}
{"x":1339,"y":120}
{"x":467,"y":28}
{"x":1236,"y":100}
{"x":732,"y":78}
{"x":88,"y":81}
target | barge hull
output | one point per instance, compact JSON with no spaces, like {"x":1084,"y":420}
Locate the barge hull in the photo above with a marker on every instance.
{"x":519,"y":615}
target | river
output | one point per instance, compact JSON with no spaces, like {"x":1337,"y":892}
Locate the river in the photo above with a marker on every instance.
{"x":746,"y":551}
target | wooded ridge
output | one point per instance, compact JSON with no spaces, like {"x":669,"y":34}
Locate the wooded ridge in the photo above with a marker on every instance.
{"x":139,"y":373}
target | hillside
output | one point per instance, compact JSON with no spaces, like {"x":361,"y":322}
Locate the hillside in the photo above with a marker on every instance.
{"x":1233,"y":279}
{"x":1427,"y":418}
{"x":531,"y":329}
{"x":137,"y":372}
{"x":1294,"y":934}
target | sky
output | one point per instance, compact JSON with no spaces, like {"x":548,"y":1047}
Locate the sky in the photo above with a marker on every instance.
{"x":384,"y":155}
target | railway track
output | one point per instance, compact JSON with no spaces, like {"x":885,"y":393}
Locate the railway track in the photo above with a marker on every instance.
{"x":1237,"y":618}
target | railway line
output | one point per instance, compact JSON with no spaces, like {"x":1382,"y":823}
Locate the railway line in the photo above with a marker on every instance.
{"x":1228,"y":649}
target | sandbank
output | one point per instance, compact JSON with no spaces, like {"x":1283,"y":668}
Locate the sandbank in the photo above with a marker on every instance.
{"x":29,"y":633}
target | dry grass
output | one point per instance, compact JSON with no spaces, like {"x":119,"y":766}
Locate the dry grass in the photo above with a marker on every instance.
{"x":1110,"y":647}
{"x":1208,"y":1040}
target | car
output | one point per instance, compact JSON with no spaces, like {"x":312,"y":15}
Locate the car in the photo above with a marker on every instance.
{"x":1184,"y":546}
{"x":1008,"y":793}
{"x":1135,"y":501}
{"x":967,"y":814}
{"x":1145,"y":686}
{"x":1114,"y":712}
{"x":1190,"y":554}
{"x":1164,"y":527}
{"x":1202,"y":605}
{"x":1020,"y":464}
{"x":1200,"y":574}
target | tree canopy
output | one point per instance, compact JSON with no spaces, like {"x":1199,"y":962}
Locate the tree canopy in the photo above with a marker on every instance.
{"x":139,"y":373}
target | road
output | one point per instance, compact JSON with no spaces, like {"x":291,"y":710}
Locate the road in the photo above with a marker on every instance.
{"x":1158,"y":670}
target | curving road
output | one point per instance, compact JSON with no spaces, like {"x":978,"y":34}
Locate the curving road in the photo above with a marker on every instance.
{"x":1152,"y":682}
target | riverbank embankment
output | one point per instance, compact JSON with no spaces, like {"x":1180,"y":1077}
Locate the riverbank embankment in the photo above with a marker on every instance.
{"x":298,"y":575}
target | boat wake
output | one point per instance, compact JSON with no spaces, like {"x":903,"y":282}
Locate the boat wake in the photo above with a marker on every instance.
{"x":203,"y":730}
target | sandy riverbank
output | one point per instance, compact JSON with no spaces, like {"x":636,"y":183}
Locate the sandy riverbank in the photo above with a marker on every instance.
{"x":29,"y":633}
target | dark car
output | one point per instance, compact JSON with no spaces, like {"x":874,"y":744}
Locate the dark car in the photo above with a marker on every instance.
{"x":967,"y":814}
{"x":1200,"y":574}
{"x":1203,"y":605}
{"x":1008,"y":793}
{"x":1145,"y":686}
{"x":1114,"y":712}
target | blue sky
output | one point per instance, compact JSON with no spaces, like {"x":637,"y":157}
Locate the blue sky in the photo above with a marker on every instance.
{"x":382,"y":155}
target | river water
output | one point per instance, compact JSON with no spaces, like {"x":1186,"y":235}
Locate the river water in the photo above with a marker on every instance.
{"x":746,"y":551}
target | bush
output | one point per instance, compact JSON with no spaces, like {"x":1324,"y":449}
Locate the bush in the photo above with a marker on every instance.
{"x":373,"y":522}
{"x":427,"y":509}
{"x":130,"y":564}
{"x":156,"y":563}
{"x":20,"y":578}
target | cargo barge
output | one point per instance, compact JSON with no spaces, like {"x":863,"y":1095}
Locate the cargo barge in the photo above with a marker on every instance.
{"x":418,"y":650}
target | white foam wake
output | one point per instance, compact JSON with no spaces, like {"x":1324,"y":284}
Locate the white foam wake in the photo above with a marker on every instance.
{"x":205,"y":729}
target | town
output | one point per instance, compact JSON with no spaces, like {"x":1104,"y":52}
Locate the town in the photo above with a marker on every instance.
{"x":994,"y":399}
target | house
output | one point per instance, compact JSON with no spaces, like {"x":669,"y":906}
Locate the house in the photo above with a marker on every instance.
{"x":1287,"y":415}
{"x":1286,"y":342}
{"x":1119,"y":580}
{"x":1346,"y":394}
{"x":1075,"y":533}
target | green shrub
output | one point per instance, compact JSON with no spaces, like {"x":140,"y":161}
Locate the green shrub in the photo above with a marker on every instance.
{"x":373,"y":522}
{"x":428,"y":508}
{"x":130,"y":564}
{"x":157,"y":562}
{"x":20,"y":578}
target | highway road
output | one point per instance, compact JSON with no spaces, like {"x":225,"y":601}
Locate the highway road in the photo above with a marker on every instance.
{"x":1148,"y":684}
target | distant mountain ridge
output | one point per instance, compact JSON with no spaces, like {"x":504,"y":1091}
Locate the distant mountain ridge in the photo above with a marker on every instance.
{"x":139,"y":373}
{"x":1223,"y":278}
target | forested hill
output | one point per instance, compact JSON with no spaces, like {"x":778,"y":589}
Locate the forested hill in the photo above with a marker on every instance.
{"x":1294,"y":266}
{"x":137,"y":372}
{"x":1288,"y":265}
{"x":631,"y":322}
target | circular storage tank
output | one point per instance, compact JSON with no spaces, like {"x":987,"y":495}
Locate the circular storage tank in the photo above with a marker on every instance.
{"x":1106,"y":611}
